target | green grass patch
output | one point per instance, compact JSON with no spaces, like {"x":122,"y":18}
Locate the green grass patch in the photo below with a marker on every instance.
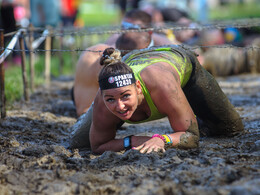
{"x":13,"y":74}
{"x":13,"y":84}
{"x":98,"y":12}
{"x":235,"y":11}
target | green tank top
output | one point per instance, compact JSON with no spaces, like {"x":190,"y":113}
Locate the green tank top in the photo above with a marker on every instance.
{"x":138,"y":60}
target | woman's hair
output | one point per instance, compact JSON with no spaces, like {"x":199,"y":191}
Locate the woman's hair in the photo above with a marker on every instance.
{"x":113,"y":66}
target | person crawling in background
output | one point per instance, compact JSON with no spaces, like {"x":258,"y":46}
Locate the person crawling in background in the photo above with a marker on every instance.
{"x":151,"y":84}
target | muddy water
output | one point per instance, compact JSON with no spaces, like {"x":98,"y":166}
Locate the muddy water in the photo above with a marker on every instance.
{"x":34,"y":158}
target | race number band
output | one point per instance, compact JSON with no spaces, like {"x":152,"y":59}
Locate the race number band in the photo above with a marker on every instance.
{"x":117,"y":81}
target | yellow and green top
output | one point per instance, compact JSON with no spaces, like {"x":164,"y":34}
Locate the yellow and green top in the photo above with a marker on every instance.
{"x":138,"y":60}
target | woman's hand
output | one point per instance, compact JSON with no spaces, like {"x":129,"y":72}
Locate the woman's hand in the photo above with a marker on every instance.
{"x":154,"y":144}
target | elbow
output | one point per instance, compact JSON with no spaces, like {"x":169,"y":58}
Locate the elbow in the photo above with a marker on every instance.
{"x":188,"y":141}
{"x":97,"y":151}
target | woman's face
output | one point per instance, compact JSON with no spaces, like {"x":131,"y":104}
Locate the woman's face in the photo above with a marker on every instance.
{"x":122,"y":101}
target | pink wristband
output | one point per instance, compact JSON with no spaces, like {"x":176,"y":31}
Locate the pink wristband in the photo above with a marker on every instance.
{"x":159,"y":136}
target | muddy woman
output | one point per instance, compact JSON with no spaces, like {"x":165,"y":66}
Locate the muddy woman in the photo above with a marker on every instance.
{"x":150,"y":84}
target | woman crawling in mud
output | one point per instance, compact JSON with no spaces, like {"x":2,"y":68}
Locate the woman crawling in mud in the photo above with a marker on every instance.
{"x":150,"y":84}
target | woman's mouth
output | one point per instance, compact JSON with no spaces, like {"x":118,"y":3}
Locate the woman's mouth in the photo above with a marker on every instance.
{"x":123,"y":113}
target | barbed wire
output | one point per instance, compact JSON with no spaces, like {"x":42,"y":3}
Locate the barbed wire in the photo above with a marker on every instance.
{"x":239,"y":23}
{"x":226,"y":46}
{"x":116,"y":29}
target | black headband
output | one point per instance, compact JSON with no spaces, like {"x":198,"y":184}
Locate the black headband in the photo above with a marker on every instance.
{"x":116,"y":81}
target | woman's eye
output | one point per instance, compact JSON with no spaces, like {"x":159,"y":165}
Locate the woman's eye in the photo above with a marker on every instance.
{"x":110,"y":100}
{"x":126,"y":96}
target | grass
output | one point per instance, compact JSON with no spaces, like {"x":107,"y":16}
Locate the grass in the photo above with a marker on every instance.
{"x":13,"y":75}
{"x":13,"y":84}
{"x":235,"y":11}
{"x":98,"y":12}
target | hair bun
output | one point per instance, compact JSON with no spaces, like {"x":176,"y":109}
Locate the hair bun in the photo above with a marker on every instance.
{"x":110,"y":56}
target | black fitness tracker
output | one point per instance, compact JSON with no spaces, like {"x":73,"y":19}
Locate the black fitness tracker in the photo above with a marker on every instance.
{"x":127,"y":142}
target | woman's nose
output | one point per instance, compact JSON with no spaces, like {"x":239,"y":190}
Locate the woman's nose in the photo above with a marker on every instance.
{"x":120,"y":105}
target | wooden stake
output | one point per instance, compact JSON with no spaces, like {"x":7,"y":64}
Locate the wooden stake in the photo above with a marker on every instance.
{"x":47,"y":59}
{"x":2,"y":78}
{"x":25,"y":82}
{"x":61,"y":65}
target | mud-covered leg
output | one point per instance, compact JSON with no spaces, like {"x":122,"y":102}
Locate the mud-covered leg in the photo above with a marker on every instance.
{"x":210,"y":104}
{"x":79,"y":137}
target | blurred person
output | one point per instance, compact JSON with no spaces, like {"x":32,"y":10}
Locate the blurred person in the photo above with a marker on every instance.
{"x":233,"y":36}
{"x":85,"y":81}
{"x":169,"y":17}
{"x":69,"y":10}
{"x":233,"y":61}
{"x":22,"y":13}
{"x":253,"y":56}
{"x":126,"y":5}
{"x":45,"y":13}
{"x":182,"y":19}
{"x":203,"y":10}
{"x":7,"y":16}
{"x":206,"y":39}
{"x":8,"y":23}
{"x":154,"y":12}
{"x":138,"y":19}
{"x":158,"y":21}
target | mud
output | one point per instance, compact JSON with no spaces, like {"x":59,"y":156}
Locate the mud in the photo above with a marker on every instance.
{"x":34,"y":158}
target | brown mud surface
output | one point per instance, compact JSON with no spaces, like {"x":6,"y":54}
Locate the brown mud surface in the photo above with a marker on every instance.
{"x":34,"y":158}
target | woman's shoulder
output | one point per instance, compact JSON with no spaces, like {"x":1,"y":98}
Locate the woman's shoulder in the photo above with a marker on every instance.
{"x":158,"y":74}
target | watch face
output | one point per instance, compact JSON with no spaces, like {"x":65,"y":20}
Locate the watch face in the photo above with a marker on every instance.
{"x":126,"y":142}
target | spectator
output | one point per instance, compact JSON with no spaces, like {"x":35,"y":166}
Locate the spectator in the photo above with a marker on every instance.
{"x":44,"y":13}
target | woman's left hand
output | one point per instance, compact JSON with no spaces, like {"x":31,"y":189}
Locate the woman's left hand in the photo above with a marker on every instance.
{"x":154,"y":144}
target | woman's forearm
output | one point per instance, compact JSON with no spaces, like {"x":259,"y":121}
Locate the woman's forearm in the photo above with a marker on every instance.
{"x":115,"y":145}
